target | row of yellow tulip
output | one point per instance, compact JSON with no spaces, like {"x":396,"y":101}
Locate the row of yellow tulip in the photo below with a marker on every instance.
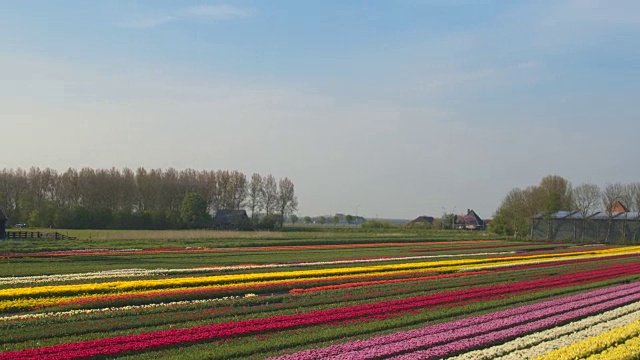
{"x":29,"y":303}
{"x":628,"y":351}
{"x":603,"y":346}
{"x":123,"y":273}
{"x":253,"y":278}
{"x":67,"y":313}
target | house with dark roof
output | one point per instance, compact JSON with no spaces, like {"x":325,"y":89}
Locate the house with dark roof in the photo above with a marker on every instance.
{"x":232,"y":220}
{"x":421,"y":221}
{"x":3,"y":225}
{"x":471,"y":221}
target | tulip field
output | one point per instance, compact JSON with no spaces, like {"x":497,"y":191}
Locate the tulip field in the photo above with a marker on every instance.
{"x":357,"y":297}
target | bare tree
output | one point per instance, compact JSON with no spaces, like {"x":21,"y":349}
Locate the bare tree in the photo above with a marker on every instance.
{"x":239,"y":189}
{"x":636,"y":197}
{"x":633,"y":196}
{"x":611,"y":194}
{"x":286,"y":199}
{"x":69,"y":193}
{"x":173,"y":192}
{"x":255,"y":195}
{"x":207,"y":180}
{"x":626,"y":196}
{"x":129,"y":190}
{"x":586,"y":198}
{"x":269,"y":194}
{"x":224,"y":189}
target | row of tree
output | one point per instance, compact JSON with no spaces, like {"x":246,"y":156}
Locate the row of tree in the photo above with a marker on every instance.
{"x":555,"y":193}
{"x":140,"y":199}
{"x":335,"y":219}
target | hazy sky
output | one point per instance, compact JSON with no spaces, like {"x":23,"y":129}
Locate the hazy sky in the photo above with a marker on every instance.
{"x":401,"y":107}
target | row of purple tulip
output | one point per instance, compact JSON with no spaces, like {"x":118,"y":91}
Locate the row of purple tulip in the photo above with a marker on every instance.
{"x":466,"y":333}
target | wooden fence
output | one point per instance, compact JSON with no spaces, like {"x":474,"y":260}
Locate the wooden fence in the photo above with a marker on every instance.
{"x":37,"y":235}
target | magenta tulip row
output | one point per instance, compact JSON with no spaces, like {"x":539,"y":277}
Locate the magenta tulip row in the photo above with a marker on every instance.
{"x":406,"y":340}
{"x":469,"y":339}
{"x":504,"y":329}
{"x":160,"y":339}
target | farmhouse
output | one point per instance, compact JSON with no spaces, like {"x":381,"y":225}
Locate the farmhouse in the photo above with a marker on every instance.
{"x":3,"y":225}
{"x":231,"y":220}
{"x":471,"y":221}
{"x":602,"y":226}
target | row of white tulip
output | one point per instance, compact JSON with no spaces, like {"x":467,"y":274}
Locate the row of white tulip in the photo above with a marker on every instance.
{"x":115,"y":309}
{"x":540,"y":343}
{"x":82,"y":251}
{"x":147,"y":272}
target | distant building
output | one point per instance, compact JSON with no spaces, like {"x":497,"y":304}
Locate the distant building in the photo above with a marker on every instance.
{"x":232,"y":220}
{"x":617,"y":207}
{"x":471,"y":221}
{"x":3,"y":225}
{"x":421,"y":221}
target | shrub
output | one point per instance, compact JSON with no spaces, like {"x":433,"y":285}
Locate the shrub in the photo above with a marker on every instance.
{"x":377,"y":224}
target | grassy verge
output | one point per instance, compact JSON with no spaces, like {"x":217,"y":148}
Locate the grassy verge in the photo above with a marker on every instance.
{"x":148,"y":239}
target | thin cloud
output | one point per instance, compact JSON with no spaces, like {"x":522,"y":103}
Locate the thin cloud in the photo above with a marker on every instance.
{"x":616,"y":13}
{"x":526,"y":65}
{"x":218,"y":12}
{"x":212,"y":12}
{"x":146,"y":22}
{"x":465,"y":78}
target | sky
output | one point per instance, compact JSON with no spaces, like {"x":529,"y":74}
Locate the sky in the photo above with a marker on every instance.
{"x":391,"y":109}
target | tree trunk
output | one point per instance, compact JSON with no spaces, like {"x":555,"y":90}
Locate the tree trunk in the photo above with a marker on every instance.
{"x":531,"y":230}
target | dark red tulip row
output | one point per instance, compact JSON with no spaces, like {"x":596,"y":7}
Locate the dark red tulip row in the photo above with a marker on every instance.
{"x":388,"y":281}
{"x":160,"y":339}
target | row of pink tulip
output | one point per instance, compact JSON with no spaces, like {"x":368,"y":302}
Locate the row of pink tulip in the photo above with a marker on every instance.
{"x":470,"y":339}
{"x":505,"y":329}
{"x":443,"y":333}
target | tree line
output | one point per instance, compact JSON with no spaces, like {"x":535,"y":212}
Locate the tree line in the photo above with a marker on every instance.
{"x":142,"y":199}
{"x":555,"y":193}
